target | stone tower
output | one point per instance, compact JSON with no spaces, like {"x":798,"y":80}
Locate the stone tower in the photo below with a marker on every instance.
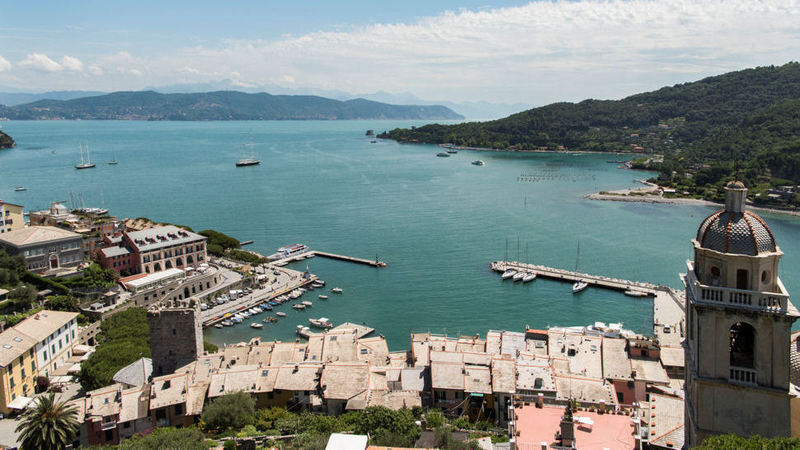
{"x":739,"y":321}
{"x":176,"y":335}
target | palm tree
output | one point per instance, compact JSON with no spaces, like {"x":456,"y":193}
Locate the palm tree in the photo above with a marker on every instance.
{"x":49,"y":425}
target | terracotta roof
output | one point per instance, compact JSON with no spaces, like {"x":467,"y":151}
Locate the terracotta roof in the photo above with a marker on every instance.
{"x":35,"y":235}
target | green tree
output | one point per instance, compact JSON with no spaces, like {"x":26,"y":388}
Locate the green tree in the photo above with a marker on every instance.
{"x":734,"y":442}
{"x":50,"y":425}
{"x":167,"y":438}
{"x":124,"y":337}
{"x":230,"y":411}
{"x":382,"y":421}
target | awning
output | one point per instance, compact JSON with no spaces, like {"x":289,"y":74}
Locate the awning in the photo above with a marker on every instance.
{"x":20,"y":403}
{"x":476,"y":394}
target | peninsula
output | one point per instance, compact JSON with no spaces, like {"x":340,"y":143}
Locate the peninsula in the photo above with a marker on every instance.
{"x":749,"y":116}
{"x":6,"y":141}
{"x":220,"y":105}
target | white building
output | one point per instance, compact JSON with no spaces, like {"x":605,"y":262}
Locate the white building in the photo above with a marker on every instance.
{"x":55,"y":333}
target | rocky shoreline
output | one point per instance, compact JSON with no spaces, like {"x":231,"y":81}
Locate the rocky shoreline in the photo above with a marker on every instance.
{"x":679,"y":201}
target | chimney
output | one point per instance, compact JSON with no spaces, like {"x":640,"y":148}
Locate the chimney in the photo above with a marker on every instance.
{"x":539,"y":400}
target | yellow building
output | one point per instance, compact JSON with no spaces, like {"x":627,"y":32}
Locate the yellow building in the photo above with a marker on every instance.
{"x":18,"y":370}
{"x":11,"y":218}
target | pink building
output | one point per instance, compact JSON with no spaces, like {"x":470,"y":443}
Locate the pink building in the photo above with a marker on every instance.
{"x":153,"y":250}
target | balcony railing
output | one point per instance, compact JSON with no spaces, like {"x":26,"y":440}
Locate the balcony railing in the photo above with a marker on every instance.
{"x":108,"y":425}
{"x":742,"y":375}
{"x":762,"y":301}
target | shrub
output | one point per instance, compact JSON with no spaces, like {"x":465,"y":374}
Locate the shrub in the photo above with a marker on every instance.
{"x":233,"y":410}
{"x":229,"y":445}
{"x":435,"y":419}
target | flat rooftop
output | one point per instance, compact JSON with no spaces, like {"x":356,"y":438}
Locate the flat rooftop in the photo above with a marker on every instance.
{"x":608,"y":431}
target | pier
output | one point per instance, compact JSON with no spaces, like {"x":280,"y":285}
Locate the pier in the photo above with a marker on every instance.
{"x":572,"y":277}
{"x":312,"y":253}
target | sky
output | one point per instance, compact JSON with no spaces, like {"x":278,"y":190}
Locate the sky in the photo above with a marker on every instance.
{"x":455,"y":50}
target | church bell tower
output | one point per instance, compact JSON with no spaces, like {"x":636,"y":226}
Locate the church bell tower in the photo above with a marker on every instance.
{"x":739,"y":322}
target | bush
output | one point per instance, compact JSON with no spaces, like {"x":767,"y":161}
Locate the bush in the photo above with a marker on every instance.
{"x":435,"y":419}
{"x":160,"y":438}
{"x":241,"y":255}
{"x":231,"y":411}
{"x":229,"y":445}
{"x":732,"y":441}
{"x":382,"y":421}
{"x":124,"y":337}
{"x":462,"y":423}
{"x":221,"y":239}
{"x":209,"y":347}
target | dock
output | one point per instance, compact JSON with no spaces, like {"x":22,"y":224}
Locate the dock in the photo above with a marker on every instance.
{"x":312,"y":253}
{"x":345,"y":328}
{"x":572,"y":277}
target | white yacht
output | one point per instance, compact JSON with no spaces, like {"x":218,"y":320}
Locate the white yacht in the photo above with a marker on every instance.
{"x":519,"y":276}
{"x":256,"y":325}
{"x":289,"y":250}
{"x":85,"y":164}
{"x":509,"y":273}
{"x":529,"y":276}
{"x":336,"y":290}
{"x":322,"y":322}
{"x":579,"y":286}
{"x":631,"y":293}
{"x":245,"y":161}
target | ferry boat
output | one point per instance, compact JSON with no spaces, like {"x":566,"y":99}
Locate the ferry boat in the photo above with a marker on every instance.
{"x":443,"y":155}
{"x":336,"y":290}
{"x":280,"y":314}
{"x":256,"y":325}
{"x":509,"y":273}
{"x":478,"y":162}
{"x":579,"y":286}
{"x":289,"y":250}
{"x":530,"y":276}
{"x":322,"y":322}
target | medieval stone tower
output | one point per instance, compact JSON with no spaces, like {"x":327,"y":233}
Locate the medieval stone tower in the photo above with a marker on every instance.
{"x":176,"y":335}
{"x":739,"y":321}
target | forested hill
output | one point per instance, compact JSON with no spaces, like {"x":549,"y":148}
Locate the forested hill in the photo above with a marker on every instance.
{"x":6,"y":141}
{"x":749,"y":112}
{"x":220,"y":105}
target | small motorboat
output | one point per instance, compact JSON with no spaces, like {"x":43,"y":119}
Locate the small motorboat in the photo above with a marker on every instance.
{"x":227,"y":323}
{"x":319,"y":282}
{"x":631,"y":293}
{"x":579,"y":286}
{"x":322,"y":322}
{"x":236,"y":320}
{"x":245,"y":314}
{"x":20,"y":189}
{"x":267,"y":308}
{"x":256,"y":325}
{"x":452,"y":151}
{"x":529,"y":276}
{"x":299,"y":306}
{"x":443,"y":155}
{"x":280,"y":314}
{"x":478,"y":162}
{"x":509,"y":273}
{"x":302,"y":331}
{"x":519,"y":276}
{"x":336,"y":290}
{"x":306,"y":303}
{"x":218,"y":325}
{"x":323,"y":297}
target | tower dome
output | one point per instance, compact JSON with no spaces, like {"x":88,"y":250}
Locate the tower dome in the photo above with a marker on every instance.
{"x":735,"y":230}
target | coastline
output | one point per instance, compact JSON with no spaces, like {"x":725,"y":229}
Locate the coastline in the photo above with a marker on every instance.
{"x":680,"y":201}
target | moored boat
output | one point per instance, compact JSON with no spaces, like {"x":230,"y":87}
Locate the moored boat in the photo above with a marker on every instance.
{"x":323,"y":297}
{"x":280,"y":314}
{"x":306,"y":303}
{"x":509,"y":273}
{"x":322,"y":322}
{"x":336,"y":290}
{"x":218,"y":325}
{"x":443,"y":155}
{"x":529,"y":276}
{"x":256,"y":325}
{"x":579,"y":286}
{"x":299,"y":306}
{"x":478,"y":162}
{"x":519,"y":276}
{"x":631,"y":293}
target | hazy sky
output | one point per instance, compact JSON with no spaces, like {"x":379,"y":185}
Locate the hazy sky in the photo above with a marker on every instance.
{"x":501,"y":51}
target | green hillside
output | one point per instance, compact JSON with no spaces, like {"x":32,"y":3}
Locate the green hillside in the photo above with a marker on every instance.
{"x":220,"y":105}
{"x":751,"y":115}
{"x":6,"y":141}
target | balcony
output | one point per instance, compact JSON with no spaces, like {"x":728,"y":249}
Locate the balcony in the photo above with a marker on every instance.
{"x":108,"y":424}
{"x":755,"y":300}
{"x":743,"y":375}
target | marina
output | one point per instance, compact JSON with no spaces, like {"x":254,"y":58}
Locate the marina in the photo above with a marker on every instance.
{"x":512,"y":269}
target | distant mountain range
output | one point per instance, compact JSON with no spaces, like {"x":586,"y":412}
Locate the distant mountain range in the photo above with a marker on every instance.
{"x":219,"y":105}
{"x":471,"y":110}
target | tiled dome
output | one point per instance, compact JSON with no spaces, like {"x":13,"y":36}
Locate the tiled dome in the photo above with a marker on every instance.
{"x":742,"y":233}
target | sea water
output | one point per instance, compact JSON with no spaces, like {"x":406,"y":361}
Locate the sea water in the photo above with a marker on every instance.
{"x":437,"y":222}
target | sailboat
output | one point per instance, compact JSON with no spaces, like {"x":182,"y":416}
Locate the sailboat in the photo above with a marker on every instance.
{"x":579,"y":285}
{"x":113,"y":161}
{"x":529,"y":276}
{"x":251,"y":161}
{"x":85,"y":164}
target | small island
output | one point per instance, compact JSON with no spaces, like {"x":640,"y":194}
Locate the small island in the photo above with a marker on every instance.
{"x":6,"y":141}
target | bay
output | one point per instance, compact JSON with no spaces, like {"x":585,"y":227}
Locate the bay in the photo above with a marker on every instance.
{"x":437,"y":222}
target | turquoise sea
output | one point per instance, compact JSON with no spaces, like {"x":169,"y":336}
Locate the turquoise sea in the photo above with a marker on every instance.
{"x":438,"y":222}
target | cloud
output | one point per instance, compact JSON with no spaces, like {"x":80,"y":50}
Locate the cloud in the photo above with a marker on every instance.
{"x":40,"y":61}
{"x":71,"y":63}
{"x":536,"y":53}
{"x":4,"y":64}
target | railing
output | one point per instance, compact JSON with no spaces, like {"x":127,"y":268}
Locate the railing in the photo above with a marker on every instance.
{"x":763,"y":301}
{"x":743,"y":375}
{"x":108,"y":424}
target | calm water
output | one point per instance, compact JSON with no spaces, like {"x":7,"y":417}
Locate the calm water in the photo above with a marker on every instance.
{"x":438,"y":222}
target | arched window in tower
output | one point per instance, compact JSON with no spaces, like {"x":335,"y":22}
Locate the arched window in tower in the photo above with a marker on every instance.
{"x":743,"y":340}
